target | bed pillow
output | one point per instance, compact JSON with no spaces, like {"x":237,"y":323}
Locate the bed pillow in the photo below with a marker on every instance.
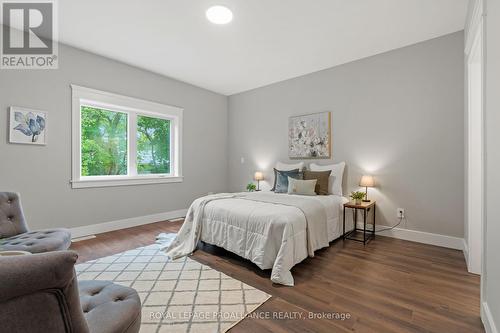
{"x":335,"y":186}
{"x":282,"y":179}
{"x":286,"y":167}
{"x":302,"y":187}
{"x":322,"y":180}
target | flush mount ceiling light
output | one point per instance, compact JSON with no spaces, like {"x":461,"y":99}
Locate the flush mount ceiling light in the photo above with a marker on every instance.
{"x":219,"y":15}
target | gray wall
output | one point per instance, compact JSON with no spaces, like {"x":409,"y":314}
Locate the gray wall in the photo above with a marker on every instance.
{"x":397,"y":115}
{"x":42,"y":174}
{"x":491,"y":278}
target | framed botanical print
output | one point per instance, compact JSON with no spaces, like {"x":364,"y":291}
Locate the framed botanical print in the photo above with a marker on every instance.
{"x":309,"y":136}
{"x":27,"y":126}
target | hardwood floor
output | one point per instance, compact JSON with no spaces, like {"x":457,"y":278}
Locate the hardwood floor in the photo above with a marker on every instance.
{"x":389,"y":285}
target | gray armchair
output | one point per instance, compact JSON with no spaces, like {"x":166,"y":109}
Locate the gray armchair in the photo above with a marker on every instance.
{"x":14,"y":233}
{"x":40,"y":293}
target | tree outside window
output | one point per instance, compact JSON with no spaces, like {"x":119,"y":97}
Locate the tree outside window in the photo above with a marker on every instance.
{"x":104,"y":142}
{"x":153,"y":145}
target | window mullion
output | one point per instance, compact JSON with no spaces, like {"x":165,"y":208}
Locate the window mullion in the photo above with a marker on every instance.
{"x":132,"y":145}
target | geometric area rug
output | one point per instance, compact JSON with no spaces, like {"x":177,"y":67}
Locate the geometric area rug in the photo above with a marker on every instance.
{"x":177,"y":295}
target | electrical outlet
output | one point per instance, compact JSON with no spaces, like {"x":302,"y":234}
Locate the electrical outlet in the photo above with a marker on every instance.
{"x":401,"y":213}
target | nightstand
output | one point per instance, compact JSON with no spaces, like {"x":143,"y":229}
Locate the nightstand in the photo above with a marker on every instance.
{"x":354,"y":234}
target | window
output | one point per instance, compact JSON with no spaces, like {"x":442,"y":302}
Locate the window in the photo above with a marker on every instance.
{"x":153,"y":145}
{"x":118,"y":140}
{"x":104,"y":147}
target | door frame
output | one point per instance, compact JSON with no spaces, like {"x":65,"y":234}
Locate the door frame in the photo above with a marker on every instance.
{"x":475,"y":153}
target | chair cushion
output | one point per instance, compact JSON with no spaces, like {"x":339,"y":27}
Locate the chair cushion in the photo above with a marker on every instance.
{"x":38,"y":241}
{"x":110,"y":308}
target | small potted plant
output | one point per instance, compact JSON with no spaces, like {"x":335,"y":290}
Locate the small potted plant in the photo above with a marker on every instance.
{"x":251,"y":187}
{"x":357,"y":197}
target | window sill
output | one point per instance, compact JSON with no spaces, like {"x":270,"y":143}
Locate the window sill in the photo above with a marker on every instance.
{"x":86,"y":183}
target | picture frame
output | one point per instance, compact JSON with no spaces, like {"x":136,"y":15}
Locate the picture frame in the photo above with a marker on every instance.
{"x":310,"y":136}
{"x":27,"y":126}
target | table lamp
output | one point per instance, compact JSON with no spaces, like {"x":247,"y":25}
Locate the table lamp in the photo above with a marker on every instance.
{"x":258,"y":176}
{"x":367,"y":181}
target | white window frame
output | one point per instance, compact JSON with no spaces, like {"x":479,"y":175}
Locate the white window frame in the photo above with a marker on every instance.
{"x":82,"y":96}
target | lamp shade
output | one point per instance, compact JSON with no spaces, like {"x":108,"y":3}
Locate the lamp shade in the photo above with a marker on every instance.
{"x":367,"y":181}
{"x":258,"y":176}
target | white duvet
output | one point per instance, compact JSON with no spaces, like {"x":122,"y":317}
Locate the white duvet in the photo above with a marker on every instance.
{"x":271,"y":235}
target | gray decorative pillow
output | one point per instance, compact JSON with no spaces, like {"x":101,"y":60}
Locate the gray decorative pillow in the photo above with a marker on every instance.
{"x":282,"y":179}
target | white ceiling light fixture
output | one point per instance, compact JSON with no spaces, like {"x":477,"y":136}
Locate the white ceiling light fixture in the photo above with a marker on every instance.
{"x":219,"y":15}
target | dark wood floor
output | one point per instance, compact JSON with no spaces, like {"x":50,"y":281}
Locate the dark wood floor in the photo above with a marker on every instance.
{"x":389,"y":285}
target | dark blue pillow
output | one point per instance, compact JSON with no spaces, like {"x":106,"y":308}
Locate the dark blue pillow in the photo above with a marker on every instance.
{"x":282,"y":179}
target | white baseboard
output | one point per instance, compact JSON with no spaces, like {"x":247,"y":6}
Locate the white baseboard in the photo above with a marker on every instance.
{"x":466,"y":253}
{"x":406,"y":234}
{"x":99,"y":228}
{"x":487,"y":318}
{"x":420,"y":237}
{"x":79,"y":239}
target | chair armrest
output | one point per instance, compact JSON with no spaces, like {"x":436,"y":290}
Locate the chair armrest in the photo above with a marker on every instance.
{"x":28,"y":287}
{"x":26,"y":274}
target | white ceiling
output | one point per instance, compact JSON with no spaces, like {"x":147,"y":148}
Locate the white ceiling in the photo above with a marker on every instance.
{"x":268,"y":40}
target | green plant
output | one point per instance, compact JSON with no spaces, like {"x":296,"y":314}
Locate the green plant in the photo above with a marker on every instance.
{"x":251,"y":187}
{"x":357,"y":195}
{"x":104,"y":142}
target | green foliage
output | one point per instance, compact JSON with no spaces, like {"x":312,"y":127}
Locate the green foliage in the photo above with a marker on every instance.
{"x":104,"y":142}
{"x":357,"y":195}
{"x":153,"y":145}
{"x":251,"y":187}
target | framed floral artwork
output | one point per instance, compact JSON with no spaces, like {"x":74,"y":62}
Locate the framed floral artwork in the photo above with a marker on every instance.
{"x":27,"y":126}
{"x":310,"y":136}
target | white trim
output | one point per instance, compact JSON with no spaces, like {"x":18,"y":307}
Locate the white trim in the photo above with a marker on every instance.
{"x":475,"y":21}
{"x":466,"y":252}
{"x":419,"y":236}
{"x":475,"y":163}
{"x":125,"y":181}
{"x":132,"y":148}
{"x":99,"y":228}
{"x":406,"y":234}
{"x":474,"y":175}
{"x":425,"y":237}
{"x":487,"y":318}
{"x":133,"y":107}
{"x":79,"y":239}
{"x":131,"y":103}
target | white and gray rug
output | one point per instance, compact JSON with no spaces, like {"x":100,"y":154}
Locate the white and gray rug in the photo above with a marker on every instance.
{"x":177,"y":296}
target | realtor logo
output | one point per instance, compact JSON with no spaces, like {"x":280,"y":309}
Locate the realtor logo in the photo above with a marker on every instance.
{"x":28,"y":34}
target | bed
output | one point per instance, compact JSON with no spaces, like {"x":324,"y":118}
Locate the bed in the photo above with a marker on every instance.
{"x":274,"y":231}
